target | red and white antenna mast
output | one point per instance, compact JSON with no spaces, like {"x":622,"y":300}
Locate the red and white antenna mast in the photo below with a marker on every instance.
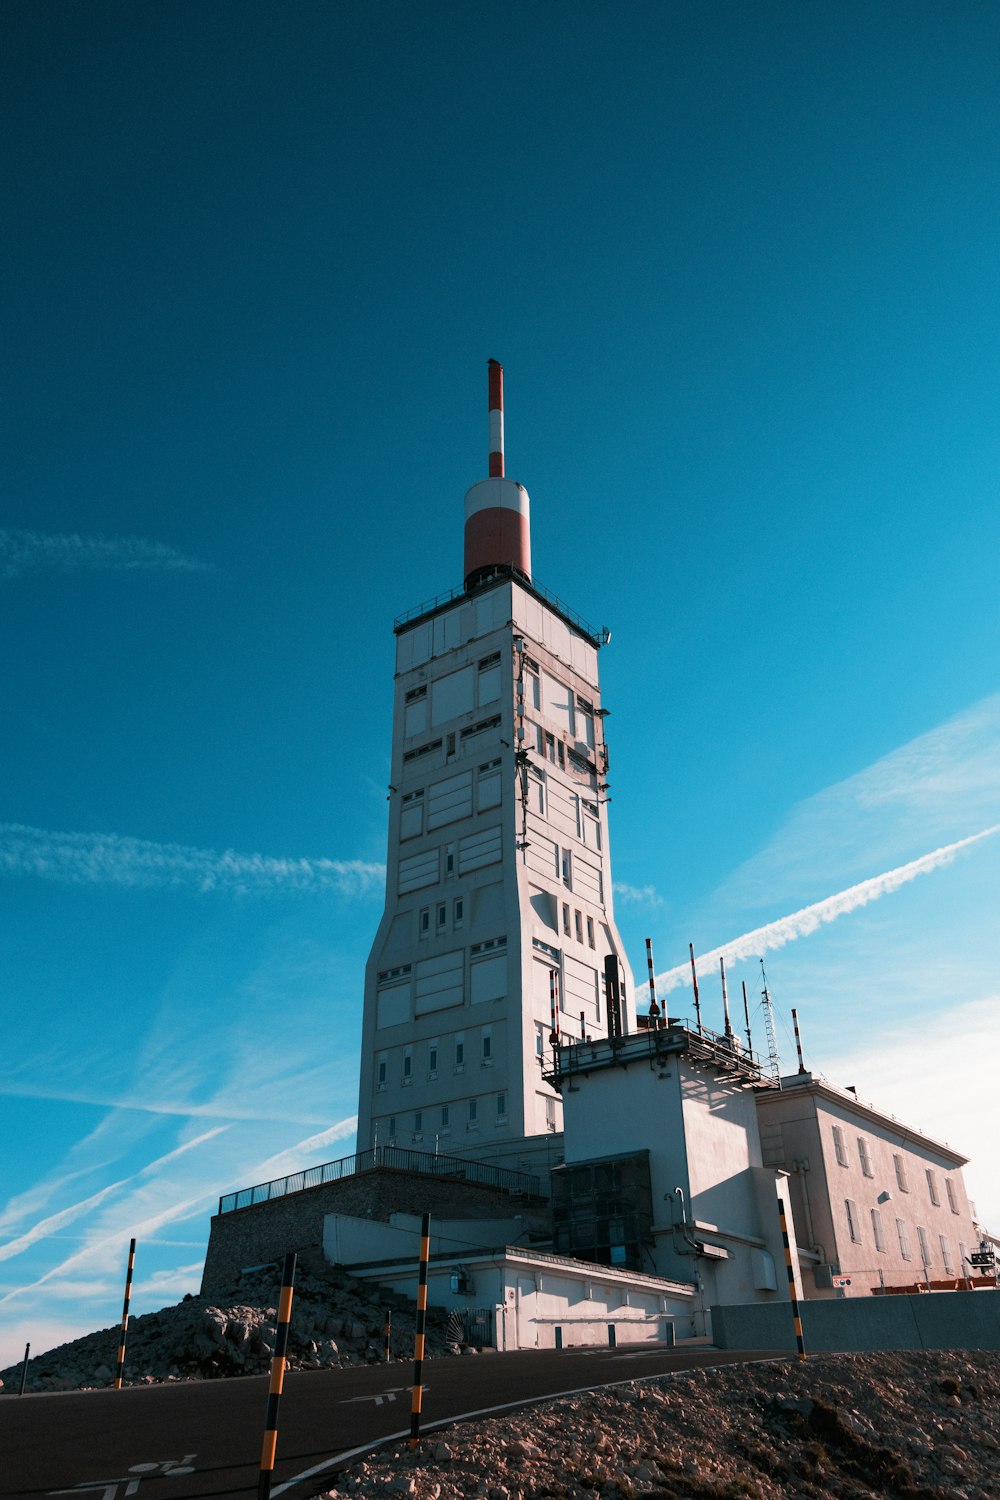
{"x":497,"y":515}
{"x":496,"y":419}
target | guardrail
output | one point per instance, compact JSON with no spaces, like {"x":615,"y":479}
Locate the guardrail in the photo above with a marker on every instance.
{"x":531,"y":585}
{"x":395,"y":1157}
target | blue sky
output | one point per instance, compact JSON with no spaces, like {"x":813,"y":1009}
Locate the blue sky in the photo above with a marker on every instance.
{"x":740,"y":264}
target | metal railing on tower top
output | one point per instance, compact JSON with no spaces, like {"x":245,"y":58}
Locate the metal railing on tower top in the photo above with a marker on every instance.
{"x":393,"y":1157}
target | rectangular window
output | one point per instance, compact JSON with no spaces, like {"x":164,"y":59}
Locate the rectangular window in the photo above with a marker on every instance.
{"x":501,"y":1106}
{"x":411,"y":815}
{"x":925,"y":1254}
{"x":949,"y":1188}
{"x":550,"y":747}
{"x":550,"y":1114}
{"x":449,"y":860}
{"x":877,"y":1234}
{"x":418,"y":1122}
{"x":392,"y":1127}
{"x":459,"y":912}
{"x":460,"y":1054}
{"x":432,"y":1058}
{"x":932,"y":1187}
{"x":865,"y":1155}
{"x":473,"y":1111}
{"x":946,"y":1255}
{"x":407,"y":1064}
{"x":445,"y":1116}
{"x":838,"y":1145}
{"x":904,"y":1239}
{"x":381,"y":1069}
{"x":567,"y":869}
{"x":853,"y":1223}
{"x":487,"y":1048}
{"x":539,"y":1039}
{"x":590,"y":933}
{"x":565,"y":916}
{"x":901,"y":1181}
{"x":442,"y":916}
{"x":578,"y":922}
{"x":425,"y":921}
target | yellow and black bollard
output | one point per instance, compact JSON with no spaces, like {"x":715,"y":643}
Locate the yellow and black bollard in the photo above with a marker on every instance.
{"x":277,"y":1379}
{"x":388,"y":1334}
{"x":128,"y":1296}
{"x":796,"y":1315}
{"x":24,"y":1369}
{"x":418,"y":1345}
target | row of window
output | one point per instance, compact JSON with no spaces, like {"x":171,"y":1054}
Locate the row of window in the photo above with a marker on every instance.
{"x":437,"y":1122}
{"x":436,"y":1057}
{"x":899,"y":1164}
{"x":450,"y":800}
{"x":903,"y":1238}
{"x":442,"y":909}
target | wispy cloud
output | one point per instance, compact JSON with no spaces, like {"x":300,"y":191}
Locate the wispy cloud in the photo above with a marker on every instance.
{"x":116,"y":859}
{"x":637,"y":895}
{"x":800,"y":923}
{"x":36,"y":552}
{"x":922,"y":794}
{"x":48,"y":1227}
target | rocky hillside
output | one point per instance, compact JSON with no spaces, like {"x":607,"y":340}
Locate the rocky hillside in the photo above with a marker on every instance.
{"x":919,"y":1426}
{"x":336,"y":1320}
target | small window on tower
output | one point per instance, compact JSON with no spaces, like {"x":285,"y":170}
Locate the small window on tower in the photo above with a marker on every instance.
{"x":578,"y":921}
{"x":442,"y":914}
{"x":590,"y":932}
{"x":432,"y":1059}
{"x":565,"y":919}
{"x":459,"y":910}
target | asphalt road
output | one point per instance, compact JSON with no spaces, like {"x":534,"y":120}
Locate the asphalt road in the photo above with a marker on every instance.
{"x":203,"y":1438}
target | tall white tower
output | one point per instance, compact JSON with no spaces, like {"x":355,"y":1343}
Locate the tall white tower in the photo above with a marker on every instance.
{"x":498,"y":910}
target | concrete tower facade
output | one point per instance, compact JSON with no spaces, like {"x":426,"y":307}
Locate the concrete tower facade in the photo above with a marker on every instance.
{"x":498,"y":914}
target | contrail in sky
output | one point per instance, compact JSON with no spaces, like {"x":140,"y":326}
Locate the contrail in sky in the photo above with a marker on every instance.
{"x":800,"y":923}
{"x":37,"y":551}
{"x":113,"y":859}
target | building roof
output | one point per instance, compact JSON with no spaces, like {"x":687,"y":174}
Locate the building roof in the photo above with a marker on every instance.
{"x":818,"y":1087}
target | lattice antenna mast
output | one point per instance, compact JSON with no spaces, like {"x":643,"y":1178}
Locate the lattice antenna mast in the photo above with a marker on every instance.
{"x":773,"y":1060}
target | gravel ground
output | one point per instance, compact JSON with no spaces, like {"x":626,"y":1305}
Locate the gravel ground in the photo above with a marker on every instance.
{"x":919,"y":1425}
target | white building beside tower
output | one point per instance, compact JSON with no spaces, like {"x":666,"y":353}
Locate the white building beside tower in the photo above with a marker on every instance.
{"x":498,"y":881}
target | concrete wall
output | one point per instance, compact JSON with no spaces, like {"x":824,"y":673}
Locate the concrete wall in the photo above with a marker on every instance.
{"x":266,"y":1231}
{"x":348,"y":1240}
{"x":941,"y":1320}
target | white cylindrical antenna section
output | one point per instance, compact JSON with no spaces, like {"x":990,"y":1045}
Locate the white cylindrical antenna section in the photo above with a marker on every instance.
{"x":496,"y":419}
{"x":497,"y":513}
{"x":725,"y":998}
{"x":554,"y":1008}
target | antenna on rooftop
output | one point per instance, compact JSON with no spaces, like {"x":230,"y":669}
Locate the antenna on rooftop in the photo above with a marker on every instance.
{"x":654,"y":1009}
{"x":725,"y":1001}
{"x":798,"y":1040}
{"x":694,"y":981}
{"x":773,"y":1060}
{"x":746,"y":1017}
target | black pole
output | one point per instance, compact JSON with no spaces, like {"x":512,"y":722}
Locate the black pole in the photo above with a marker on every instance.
{"x":120,"y":1368}
{"x":418,"y":1343}
{"x":277,"y":1379}
{"x":24,"y":1368}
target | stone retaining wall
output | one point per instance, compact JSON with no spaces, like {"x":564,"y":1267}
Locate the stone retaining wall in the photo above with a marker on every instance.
{"x":264,"y":1231}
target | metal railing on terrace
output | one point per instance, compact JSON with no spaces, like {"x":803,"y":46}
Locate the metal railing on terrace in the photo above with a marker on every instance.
{"x":452,"y":1168}
{"x":439,"y":601}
